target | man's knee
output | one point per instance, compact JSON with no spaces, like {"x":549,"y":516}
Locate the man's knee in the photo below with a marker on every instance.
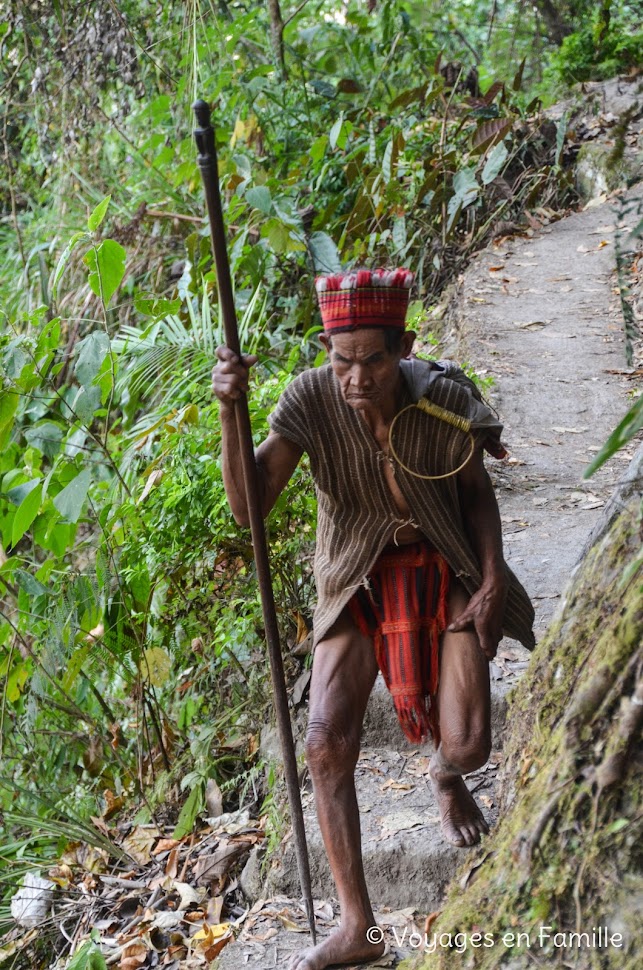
{"x":330,"y":749}
{"x":466,"y":751}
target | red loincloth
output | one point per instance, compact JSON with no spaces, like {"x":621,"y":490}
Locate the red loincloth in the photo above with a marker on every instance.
{"x":404,"y":612}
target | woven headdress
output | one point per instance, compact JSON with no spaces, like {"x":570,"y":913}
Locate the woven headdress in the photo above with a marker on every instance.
{"x":364,"y":299}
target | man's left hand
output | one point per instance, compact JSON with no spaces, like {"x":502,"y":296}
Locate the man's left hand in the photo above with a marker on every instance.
{"x":484,"y":613}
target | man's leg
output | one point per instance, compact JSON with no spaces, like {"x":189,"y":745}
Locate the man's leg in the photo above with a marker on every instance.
{"x":344,"y":671}
{"x":464,"y":710}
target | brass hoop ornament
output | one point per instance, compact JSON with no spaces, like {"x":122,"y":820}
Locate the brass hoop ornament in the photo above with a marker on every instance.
{"x":456,"y":420}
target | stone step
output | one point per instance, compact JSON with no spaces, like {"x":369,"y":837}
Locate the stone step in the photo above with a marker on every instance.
{"x":406,"y":859}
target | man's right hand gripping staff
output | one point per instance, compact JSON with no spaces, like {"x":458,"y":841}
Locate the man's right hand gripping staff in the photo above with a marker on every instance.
{"x":230,"y":376}
{"x":276,"y":457}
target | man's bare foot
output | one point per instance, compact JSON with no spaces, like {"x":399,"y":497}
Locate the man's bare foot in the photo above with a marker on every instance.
{"x":462,"y":820}
{"x":342,"y":947}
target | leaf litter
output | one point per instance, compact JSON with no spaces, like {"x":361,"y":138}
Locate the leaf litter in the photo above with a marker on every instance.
{"x":176,"y":906}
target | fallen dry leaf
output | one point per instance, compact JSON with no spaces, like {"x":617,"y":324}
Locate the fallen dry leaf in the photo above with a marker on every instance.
{"x":399,"y":917}
{"x":470,"y":873}
{"x":263,"y":937}
{"x":139,"y":842}
{"x":215,"y":865}
{"x":215,"y":905}
{"x":323,"y":911}
{"x":208,"y":934}
{"x":213,"y":799}
{"x":133,"y":956}
{"x":188,"y":894}
{"x":397,"y":786}
{"x":172,"y":865}
{"x":166,"y":845}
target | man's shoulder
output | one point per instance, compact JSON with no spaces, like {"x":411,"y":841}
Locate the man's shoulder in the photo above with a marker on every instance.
{"x":435,"y":378}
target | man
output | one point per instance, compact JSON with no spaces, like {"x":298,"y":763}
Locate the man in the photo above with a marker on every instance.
{"x":409,"y":566}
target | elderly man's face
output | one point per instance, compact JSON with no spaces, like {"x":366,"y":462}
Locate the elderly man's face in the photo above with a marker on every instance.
{"x":367,"y":372}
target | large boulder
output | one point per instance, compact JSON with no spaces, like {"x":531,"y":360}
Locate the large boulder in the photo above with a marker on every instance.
{"x":566,"y":857}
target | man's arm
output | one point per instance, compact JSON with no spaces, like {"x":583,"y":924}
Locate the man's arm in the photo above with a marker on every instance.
{"x":276,"y":457}
{"x":482,"y":521}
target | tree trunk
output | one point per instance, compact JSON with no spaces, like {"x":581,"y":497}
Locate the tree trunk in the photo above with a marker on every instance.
{"x":277,"y":37}
{"x":566,"y":857}
{"x":557,"y":23}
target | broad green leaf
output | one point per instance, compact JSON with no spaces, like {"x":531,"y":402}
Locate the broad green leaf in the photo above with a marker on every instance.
{"x":75,"y":665}
{"x":279,"y":237}
{"x":259,"y":198}
{"x":622,"y":433}
{"x":494,"y":163}
{"x":29,"y":583}
{"x":325,"y":253}
{"x":26,"y":512}
{"x":18,"y":493}
{"x":45,"y":437}
{"x":86,"y":403}
{"x":8,"y":406}
{"x":139,"y":582}
{"x":616,"y":826}
{"x":156,"y":308}
{"x":465,"y":185}
{"x":106,"y":268}
{"x":16,"y":357}
{"x":399,"y":233}
{"x":15,"y":682}
{"x":338,"y":135}
{"x":194,"y":804}
{"x":64,"y":259}
{"x":54,"y":535}
{"x":71,"y":499}
{"x":318,"y":148}
{"x":89,"y":957}
{"x":465,"y":191}
{"x":156,"y":666}
{"x":98,"y":214}
{"x":90,"y":354}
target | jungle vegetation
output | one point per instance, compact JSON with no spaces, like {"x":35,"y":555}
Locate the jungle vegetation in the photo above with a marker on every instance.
{"x":397,"y":132}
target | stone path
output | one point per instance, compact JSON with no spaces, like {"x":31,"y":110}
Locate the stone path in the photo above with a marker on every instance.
{"x":541,"y":315}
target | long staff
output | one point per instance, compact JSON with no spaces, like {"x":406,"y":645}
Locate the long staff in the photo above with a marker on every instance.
{"x":207,"y":159}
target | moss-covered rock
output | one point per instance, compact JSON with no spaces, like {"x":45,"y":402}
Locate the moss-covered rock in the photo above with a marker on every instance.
{"x":598,"y":171}
{"x":566,"y":857}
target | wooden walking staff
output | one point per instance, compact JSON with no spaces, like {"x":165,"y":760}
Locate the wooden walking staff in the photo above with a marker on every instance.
{"x":207,"y":159}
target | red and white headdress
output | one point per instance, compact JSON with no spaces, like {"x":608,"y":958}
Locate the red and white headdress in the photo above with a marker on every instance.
{"x":364,"y":299}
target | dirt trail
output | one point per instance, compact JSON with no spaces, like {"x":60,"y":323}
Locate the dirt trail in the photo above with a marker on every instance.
{"x":542,"y":316}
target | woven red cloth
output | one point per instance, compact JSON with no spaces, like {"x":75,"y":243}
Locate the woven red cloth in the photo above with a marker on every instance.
{"x":364,"y":299}
{"x":404,"y":612}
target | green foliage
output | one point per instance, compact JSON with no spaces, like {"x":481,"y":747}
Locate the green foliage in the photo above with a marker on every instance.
{"x":123,"y":557}
{"x":130,"y":642}
{"x":88,"y":957}
{"x":587,"y":55}
{"x":620,"y":436}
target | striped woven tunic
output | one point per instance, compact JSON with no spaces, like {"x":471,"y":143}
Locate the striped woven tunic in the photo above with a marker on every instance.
{"x":356,"y":513}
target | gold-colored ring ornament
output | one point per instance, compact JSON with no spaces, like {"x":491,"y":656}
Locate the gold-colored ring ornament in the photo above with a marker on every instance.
{"x":456,"y":420}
